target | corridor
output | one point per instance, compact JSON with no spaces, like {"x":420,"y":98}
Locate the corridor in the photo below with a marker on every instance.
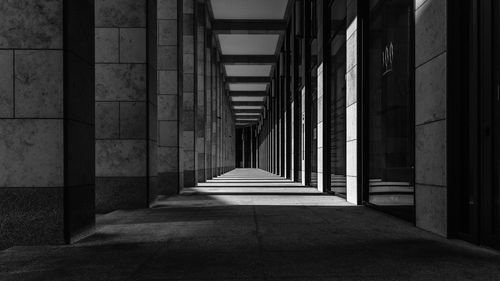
{"x":249,"y":224}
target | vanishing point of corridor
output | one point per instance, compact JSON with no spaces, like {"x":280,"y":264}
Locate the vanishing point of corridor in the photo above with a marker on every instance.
{"x":252,"y":225}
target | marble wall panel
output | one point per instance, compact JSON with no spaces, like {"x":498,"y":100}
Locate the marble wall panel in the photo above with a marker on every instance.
{"x":107,"y":45}
{"x":168,"y":132}
{"x":39,"y":84}
{"x":133,"y":45}
{"x":31,"y":24}
{"x":32,"y":153}
{"x":120,"y":13}
{"x":167,"y":32}
{"x":167,"y":9}
{"x":167,"y":82}
{"x":430,"y":30}
{"x":120,"y":82}
{"x":133,"y":118}
{"x":107,"y":120}
{"x":121,"y":158}
{"x":167,"y":105}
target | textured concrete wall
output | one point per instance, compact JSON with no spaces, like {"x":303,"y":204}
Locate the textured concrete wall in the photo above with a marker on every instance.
{"x":46,"y":121}
{"x":121,"y":104}
{"x":430,"y":115}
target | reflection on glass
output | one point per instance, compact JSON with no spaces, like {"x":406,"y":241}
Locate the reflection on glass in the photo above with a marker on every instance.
{"x":390,"y":106}
{"x":337,"y":72}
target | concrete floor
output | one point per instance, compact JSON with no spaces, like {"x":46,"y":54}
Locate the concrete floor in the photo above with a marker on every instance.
{"x":251,"y":225}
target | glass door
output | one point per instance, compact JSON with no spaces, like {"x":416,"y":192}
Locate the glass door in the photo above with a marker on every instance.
{"x":390,"y":107}
{"x":337,"y":95}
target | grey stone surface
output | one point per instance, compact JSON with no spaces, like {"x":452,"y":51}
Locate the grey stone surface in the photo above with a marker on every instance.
{"x":188,"y":64}
{"x":167,"y":9}
{"x":32,"y":153}
{"x":430,"y":30}
{"x":167,"y":107}
{"x":168,"y":159}
{"x":430,"y":92}
{"x":107,"y":45}
{"x":133,"y":118}
{"x":431,"y":208}
{"x":167,"y":82}
{"x":430,"y":154}
{"x":121,"y":158}
{"x":188,"y":140}
{"x":167,"y":32}
{"x":121,"y":82}
{"x":31,"y":216}
{"x":6,"y":84}
{"x":188,"y":82}
{"x":168,"y":133}
{"x":167,"y":58}
{"x":39,"y":84}
{"x":120,"y":193}
{"x":31,"y":24}
{"x":133,"y":45}
{"x":120,"y":13}
{"x":107,"y":120}
{"x":352,"y":51}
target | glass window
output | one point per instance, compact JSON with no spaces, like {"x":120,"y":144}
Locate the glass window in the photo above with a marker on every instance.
{"x":337,"y":92}
{"x":391,"y":107}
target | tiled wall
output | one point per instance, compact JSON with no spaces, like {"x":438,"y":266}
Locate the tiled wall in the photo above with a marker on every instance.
{"x":430,"y":115}
{"x":121,"y":104}
{"x":46,"y":121}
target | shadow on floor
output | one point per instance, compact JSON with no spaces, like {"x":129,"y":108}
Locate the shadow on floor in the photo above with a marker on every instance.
{"x":213,"y":235}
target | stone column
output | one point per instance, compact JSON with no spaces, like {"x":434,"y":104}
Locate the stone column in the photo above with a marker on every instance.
{"x":189,"y":97}
{"x":322,"y":184}
{"x":200,"y":11}
{"x":170,"y":170}
{"x":121,"y":105}
{"x":208,"y":102}
{"x":352,"y":104}
{"x":430,"y":116}
{"x":46,"y":121}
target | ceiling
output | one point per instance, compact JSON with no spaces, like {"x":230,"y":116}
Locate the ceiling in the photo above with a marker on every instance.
{"x":249,"y":35}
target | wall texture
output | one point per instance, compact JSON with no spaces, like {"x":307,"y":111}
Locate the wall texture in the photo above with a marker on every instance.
{"x":430,"y":115}
{"x":46,"y":121}
{"x":121,"y":104}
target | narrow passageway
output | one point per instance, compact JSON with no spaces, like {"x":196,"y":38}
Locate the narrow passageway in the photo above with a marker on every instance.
{"x":252,"y":225}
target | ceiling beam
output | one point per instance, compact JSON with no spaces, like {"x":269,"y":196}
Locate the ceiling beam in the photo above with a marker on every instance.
{"x":248,"y":26}
{"x":247,"y":111}
{"x":248,"y":103}
{"x":249,"y":59}
{"x":248,"y":94}
{"x":241,"y":79}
